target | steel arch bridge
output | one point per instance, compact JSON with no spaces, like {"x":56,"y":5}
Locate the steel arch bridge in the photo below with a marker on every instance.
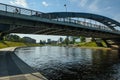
{"x":20,"y":20}
{"x":102,"y":19}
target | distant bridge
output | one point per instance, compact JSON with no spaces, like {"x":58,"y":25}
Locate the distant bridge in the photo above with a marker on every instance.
{"x":20,"y":20}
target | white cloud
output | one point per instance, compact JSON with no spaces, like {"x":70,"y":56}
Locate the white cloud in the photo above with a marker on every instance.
{"x":21,"y":3}
{"x":93,"y":6}
{"x":73,"y":0}
{"x":83,"y":3}
{"x":108,"y":8}
{"x":86,"y":4}
{"x":45,"y":4}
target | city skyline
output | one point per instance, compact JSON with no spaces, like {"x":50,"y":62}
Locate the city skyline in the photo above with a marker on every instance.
{"x":108,"y":8}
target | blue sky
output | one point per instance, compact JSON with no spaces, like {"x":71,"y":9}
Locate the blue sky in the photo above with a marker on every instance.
{"x":109,"y":8}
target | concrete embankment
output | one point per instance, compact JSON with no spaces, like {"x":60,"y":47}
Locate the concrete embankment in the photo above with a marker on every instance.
{"x":13,"y":68}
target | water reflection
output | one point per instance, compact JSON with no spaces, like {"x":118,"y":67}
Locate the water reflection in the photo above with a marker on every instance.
{"x":63,"y":63}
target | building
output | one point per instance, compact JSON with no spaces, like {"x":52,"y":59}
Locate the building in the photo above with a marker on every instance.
{"x":54,"y":42}
{"x":49,"y":41}
{"x":88,"y":39}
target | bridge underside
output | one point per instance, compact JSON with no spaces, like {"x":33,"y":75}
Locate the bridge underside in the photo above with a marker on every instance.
{"x":36,"y":27}
{"x":52,"y":30}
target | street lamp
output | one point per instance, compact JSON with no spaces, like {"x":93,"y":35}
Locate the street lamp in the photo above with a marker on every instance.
{"x":65,"y":7}
{"x":66,"y":36}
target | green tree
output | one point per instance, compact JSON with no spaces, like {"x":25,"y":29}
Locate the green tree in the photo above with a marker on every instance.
{"x":82,"y":39}
{"x":11,"y":37}
{"x":72,"y":41}
{"x":41,"y":42}
{"x":66,"y":41}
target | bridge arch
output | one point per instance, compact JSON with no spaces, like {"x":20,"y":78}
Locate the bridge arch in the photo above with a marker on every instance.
{"x":102,"y":19}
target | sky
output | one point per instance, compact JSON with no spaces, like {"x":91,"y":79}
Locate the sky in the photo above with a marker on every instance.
{"x":108,"y":8}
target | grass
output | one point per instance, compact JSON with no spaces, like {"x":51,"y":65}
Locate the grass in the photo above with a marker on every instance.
{"x":87,"y":44}
{"x":4,"y":44}
{"x":92,"y":45}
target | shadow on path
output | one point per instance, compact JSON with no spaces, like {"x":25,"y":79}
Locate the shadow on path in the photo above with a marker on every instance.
{"x":13,"y":68}
{"x":10,"y":65}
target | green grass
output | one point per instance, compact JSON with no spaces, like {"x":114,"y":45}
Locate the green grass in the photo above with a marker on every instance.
{"x":87,"y":44}
{"x":4,"y":44}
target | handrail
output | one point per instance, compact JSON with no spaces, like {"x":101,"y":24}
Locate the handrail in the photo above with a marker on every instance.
{"x":6,"y":7}
{"x":87,"y":24}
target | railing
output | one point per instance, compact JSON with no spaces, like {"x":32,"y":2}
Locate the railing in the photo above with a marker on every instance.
{"x":18,"y":10}
{"x":24,"y":11}
{"x":87,"y":24}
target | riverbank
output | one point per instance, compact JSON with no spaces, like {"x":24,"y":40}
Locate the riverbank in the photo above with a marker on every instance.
{"x":97,"y":48}
{"x":90,"y":45}
{"x":13,"y":68}
{"x":5,"y":44}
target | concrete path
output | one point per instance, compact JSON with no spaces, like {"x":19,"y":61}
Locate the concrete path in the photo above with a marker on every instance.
{"x":13,"y":68}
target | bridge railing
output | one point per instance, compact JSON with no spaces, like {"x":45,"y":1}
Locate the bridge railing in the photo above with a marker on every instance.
{"x":18,"y":10}
{"x":87,"y":24}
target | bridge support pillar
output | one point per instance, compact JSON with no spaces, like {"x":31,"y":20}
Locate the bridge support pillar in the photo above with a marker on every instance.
{"x":113,"y":43}
{"x":98,"y":41}
{"x":67,"y":41}
{"x":107,"y":44}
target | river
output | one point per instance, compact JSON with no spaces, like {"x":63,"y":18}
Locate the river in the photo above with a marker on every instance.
{"x":66,"y":63}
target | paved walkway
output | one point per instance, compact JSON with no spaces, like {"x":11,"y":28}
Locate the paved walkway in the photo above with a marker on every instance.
{"x":12,"y":68}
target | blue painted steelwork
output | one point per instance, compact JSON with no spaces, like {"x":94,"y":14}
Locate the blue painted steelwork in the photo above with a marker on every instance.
{"x":102,"y":19}
{"x":4,"y":27}
{"x":106,"y":21}
{"x":18,"y":10}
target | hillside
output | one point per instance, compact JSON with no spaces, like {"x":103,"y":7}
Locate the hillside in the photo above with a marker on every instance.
{"x":4,"y":44}
{"x":89,"y":44}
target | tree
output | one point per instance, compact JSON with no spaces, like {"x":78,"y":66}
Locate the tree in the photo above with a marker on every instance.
{"x":72,"y":41}
{"x":41,"y":42}
{"x":66,"y":41}
{"x":44,"y":42}
{"x":82,"y":39}
{"x":10,"y":37}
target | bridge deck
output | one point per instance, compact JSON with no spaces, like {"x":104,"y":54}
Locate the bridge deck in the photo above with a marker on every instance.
{"x":12,"y":68}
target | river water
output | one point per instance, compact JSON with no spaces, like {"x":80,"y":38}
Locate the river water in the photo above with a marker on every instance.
{"x":65,"y":63}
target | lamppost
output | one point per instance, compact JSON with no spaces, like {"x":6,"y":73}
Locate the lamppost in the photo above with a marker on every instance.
{"x":67,"y":37}
{"x":65,"y":7}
